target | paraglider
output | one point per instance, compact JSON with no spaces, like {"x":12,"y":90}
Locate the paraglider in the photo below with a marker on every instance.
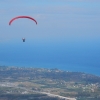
{"x":22,"y":17}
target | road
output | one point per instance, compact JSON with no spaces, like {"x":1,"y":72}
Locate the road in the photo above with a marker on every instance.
{"x":27,"y":90}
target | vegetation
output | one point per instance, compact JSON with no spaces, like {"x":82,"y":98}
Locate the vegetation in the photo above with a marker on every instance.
{"x":19,"y":83}
{"x":26,"y":97}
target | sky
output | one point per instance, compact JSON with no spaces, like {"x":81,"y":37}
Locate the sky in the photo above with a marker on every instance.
{"x":67,"y":35}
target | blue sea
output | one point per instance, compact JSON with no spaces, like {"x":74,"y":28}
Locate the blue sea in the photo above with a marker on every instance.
{"x":69,"y":57}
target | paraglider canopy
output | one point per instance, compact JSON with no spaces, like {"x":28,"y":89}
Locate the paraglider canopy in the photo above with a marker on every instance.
{"x":22,"y":17}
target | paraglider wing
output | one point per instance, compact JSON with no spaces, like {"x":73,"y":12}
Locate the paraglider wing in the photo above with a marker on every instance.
{"x":22,"y":17}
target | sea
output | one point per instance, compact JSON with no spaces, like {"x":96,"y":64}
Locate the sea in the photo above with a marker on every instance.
{"x":74,"y":58}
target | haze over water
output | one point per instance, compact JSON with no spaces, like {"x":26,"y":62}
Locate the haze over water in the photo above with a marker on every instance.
{"x":66,"y":56}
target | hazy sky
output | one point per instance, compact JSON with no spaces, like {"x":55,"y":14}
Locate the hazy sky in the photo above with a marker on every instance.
{"x":65,"y":19}
{"x":68,"y":32}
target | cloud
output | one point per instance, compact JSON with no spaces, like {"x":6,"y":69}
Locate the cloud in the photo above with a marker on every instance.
{"x":48,"y":7}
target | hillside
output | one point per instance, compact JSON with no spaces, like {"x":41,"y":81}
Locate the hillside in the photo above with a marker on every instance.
{"x":71,"y":85}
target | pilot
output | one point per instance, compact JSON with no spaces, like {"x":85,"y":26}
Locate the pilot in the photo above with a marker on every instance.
{"x":23,"y":39}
